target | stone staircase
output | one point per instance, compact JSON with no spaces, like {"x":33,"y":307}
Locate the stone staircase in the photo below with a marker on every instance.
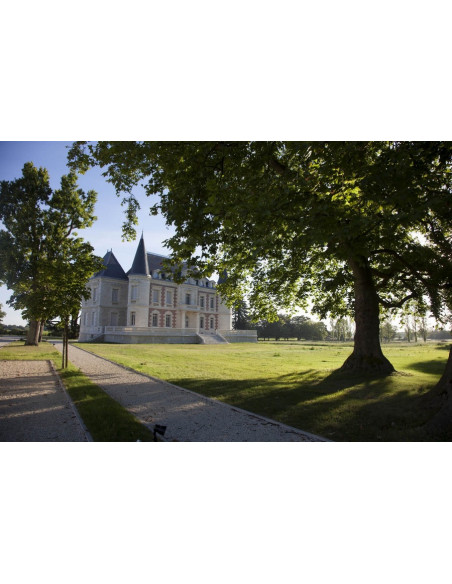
{"x":211,"y":339}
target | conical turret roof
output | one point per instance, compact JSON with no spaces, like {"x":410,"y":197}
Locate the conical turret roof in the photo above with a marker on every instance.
{"x":223,"y":277}
{"x":112,"y":269}
{"x":140,"y":264}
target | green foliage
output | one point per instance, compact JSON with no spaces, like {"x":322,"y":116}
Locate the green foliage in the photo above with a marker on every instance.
{"x":240,"y":317}
{"x":285,"y":218}
{"x":286,"y":327}
{"x":388,"y":332}
{"x":2,"y":313}
{"x":341,"y":329}
{"x":42,"y":260}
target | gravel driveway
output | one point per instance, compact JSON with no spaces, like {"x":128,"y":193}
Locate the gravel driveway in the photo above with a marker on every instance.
{"x":34,"y":407}
{"x":189,"y":417}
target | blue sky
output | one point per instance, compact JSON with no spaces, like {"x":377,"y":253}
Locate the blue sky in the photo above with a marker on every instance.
{"x":106,"y":232}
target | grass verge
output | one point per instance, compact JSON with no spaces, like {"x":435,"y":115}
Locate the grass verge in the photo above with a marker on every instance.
{"x":297,"y":383}
{"x":105,"y":418}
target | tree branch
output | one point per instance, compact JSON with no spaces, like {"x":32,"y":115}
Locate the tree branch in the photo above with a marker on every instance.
{"x":398,"y":304}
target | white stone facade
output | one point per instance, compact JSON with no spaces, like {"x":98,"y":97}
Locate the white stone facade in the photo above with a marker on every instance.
{"x":146,"y":306}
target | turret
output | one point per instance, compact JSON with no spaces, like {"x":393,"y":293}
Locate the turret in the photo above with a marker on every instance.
{"x":139,"y":285}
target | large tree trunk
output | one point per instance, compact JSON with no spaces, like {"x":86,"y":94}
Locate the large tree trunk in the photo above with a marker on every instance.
{"x":441,"y":396}
{"x":367,"y":356}
{"x":34,"y":328}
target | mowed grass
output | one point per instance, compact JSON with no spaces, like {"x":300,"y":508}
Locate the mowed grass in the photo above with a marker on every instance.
{"x":297,"y":383}
{"x":105,"y":419}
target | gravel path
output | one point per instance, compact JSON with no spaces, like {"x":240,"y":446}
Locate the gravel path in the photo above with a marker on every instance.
{"x":34,"y":406}
{"x":189,"y":417}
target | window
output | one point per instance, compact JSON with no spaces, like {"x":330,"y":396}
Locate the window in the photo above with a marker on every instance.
{"x":115,"y":296}
{"x":132,"y":318}
{"x":212,"y":303}
{"x":155,"y":319}
{"x":155,"y":296}
{"x":168,"y":320}
{"x":94,"y":295}
{"x":169,"y":298}
{"x":134,"y":294}
{"x":114,"y":319}
{"x":93,"y":318}
{"x":201,"y":301}
{"x":201,"y":322}
{"x":186,"y":322}
{"x":187,"y":298}
{"x":212,"y":324}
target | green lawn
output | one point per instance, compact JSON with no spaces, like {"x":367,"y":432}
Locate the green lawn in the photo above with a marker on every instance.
{"x":106,"y":420}
{"x":296,"y":383}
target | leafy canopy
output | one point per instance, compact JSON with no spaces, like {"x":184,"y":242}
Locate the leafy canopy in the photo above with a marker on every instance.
{"x":42,"y":260}
{"x":287,"y":219}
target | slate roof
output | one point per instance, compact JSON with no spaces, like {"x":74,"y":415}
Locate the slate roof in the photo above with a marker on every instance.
{"x":140,"y":264}
{"x":223,"y":277}
{"x":112,"y":269}
{"x":155,"y":262}
{"x":143,"y":264}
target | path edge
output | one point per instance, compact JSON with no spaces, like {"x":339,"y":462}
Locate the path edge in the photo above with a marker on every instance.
{"x":314,"y":437}
{"x":60,"y":382}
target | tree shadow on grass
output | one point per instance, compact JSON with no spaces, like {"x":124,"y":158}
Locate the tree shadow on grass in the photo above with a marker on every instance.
{"x":430,"y":367}
{"x":339,"y":406}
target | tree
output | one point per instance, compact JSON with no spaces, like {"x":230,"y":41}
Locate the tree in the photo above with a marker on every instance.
{"x":335,"y":221}
{"x":270,"y":329}
{"x":341,"y":329}
{"x":423,"y":327}
{"x":21,"y":211}
{"x":42,"y":260}
{"x":240,"y":316}
{"x":300,"y":327}
{"x":2,"y":313}
{"x":387,"y":331}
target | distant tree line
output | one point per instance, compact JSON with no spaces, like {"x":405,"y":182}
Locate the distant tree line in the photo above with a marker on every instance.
{"x":301,"y":327}
{"x":12,"y":329}
{"x":296,"y":327}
